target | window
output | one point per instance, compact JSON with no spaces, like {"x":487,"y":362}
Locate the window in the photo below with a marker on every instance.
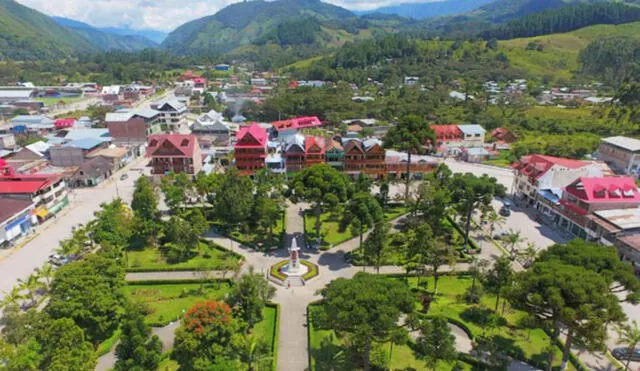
{"x":184,"y":143}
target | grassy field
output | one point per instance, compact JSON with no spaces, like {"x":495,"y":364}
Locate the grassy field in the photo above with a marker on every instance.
{"x":509,"y":333}
{"x":168,"y":302}
{"x":504,"y":160}
{"x":559,"y":57}
{"x":208,"y":255}
{"x":330,"y":225}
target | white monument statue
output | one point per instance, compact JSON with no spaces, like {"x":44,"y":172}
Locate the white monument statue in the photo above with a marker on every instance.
{"x":294,"y":258}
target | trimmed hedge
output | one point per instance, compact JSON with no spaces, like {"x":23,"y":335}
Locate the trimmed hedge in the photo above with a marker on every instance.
{"x":313,"y":270}
{"x":472,"y":244}
{"x":276,"y":335}
{"x":275,"y":270}
{"x":174,"y":282}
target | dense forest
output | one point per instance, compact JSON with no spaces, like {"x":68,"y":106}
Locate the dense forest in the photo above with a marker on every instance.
{"x":564,"y":20}
{"x":615,"y":60}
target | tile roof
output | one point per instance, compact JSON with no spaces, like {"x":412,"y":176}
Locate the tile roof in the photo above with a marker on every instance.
{"x":537,"y":165}
{"x":11,"y":207}
{"x":318,"y":142}
{"x":297,"y":123}
{"x":185,"y":143}
{"x":335,"y":145}
{"x":605,"y":190}
{"x":447,"y":132}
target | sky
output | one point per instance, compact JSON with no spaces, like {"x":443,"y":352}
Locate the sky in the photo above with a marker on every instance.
{"x":163,"y":15}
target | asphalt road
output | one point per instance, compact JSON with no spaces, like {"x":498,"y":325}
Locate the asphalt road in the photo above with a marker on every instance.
{"x":19,"y":262}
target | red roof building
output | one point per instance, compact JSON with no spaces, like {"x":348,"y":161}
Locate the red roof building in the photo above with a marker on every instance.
{"x":504,"y":135}
{"x":250,"y":150}
{"x":594,"y":194}
{"x":447,"y":133}
{"x":178,"y":153}
{"x":297,"y":123}
{"x":535,"y":166}
{"x":48,"y":192}
{"x":314,"y":148}
{"x":64,"y":123}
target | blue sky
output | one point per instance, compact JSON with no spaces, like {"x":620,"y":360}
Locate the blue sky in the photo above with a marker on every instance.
{"x":157,"y":14}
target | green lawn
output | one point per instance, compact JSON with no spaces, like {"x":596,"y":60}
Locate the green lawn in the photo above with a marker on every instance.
{"x":259,"y":238}
{"x":510,"y":333}
{"x":504,"y":160}
{"x":167,"y":302}
{"x":209,"y":255}
{"x":325,"y":357}
{"x":330,"y":225}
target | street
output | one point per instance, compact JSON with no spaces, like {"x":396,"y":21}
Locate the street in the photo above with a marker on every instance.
{"x":19,"y":262}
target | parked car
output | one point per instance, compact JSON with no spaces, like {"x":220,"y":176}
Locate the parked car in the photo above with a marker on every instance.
{"x":124,"y":177}
{"x":58,"y":260}
{"x":505,"y":211}
{"x":623,"y":354}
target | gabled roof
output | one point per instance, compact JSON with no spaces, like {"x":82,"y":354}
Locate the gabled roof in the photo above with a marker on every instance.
{"x":353,"y":144}
{"x":94,"y":167}
{"x":293,"y":142}
{"x":537,"y":165}
{"x":297,"y":123}
{"x":334,"y":146}
{"x":315,"y":145}
{"x":173,"y":104}
{"x":255,"y":132}
{"x":605,"y":189}
{"x":371,"y":143}
{"x":184,"y":143}
{"x":447,"y":131}
{"x":472,"y":129}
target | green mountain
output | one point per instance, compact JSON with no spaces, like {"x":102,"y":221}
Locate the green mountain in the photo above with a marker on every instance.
{"x":107,"y":41}
{"x":495,"y":13}
{"x":26,"y":34}
{"x":261,"y":22}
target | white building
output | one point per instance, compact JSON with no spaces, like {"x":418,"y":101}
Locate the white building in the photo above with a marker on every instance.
{"x":622,"y":154}
{"x":473,"y":136}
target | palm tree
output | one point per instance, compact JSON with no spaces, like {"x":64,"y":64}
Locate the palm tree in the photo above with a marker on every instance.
{"x":252,"y":352}
{"x":513,"y":238}
{"x":630,"y":336}
{"x":11,"y":297}
{"x":494,"y":219}
{"x":31,"y":285}
{"x":46,"y":272}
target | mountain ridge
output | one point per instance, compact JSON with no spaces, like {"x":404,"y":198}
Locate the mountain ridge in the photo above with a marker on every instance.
{"x":107,"y":41}
{"x":429,"y":9}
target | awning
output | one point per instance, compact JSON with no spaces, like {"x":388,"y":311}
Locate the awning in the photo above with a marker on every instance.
{"x":57,"y":207}
{"x":41,"y":212}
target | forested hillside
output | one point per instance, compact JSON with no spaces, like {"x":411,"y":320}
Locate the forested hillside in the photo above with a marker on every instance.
{"x":565,"y":19}
{"x":106,"y":41}
{"x":26,"y":34}
{"x":613,"y":59}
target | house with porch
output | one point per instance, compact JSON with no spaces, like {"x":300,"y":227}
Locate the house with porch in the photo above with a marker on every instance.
{"x":314,"y":151}
{"x":334,"y":155}
{"x":250,"y":150}
{"x":294,"y":151}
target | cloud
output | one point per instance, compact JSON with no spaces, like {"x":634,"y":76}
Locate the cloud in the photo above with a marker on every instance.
{"x":163,"y":15}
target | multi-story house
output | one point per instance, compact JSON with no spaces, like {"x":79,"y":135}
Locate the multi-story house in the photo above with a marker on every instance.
{"x":536,"y":173}
{"x":133,"y":126}
{"x":354,"y":157}
{"x":47,"y":192}
{"x":294,"y":153}
{"x":622,"y":154}
{"x":178,"y":153}
{"x":334,"y":155}
{"x":250,"y":151}
{"x":288,"y":128}
{"x":172,"y":112}
{"x":448,"y":135}
{"x":473,"y":136}
{"x":314,"y":151}
{"x":374,"y":161}
{"x":586,"y":196}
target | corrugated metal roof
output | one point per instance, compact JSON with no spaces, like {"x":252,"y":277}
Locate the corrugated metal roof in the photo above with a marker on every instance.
{"x":84,"y":143}
{"x":472,"y":129}
{"x":630,"y":144}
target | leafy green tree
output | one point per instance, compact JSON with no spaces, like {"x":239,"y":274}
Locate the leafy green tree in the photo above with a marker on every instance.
{"x":513,"y":239}
{"x":234,"y":200}
{"x":22,"y":357}
{"x":364,"y":209}
{"x":249,"y":296}
{"x":176,"y":187}
{"x":470,"y":193}
{"x":204,"y":337}
{"x":64,"y":346}
{"x":31,"y":285}
{"x":198,"y":222}
{"x":629,"y":335}
{"x":570,"y":296}
{"x":376,"y":244}
{"x":112,"y":225}
{"x":436,"y":342}
{"x":322,"y":185}
{"x":88,"y":291}
{"x":138,"y":350}
{"x":603,"y":260}
{"x":267,"y":212}
{"x":432,"y":203}
{"x":145,"y":210}
{"x":411,"y":135}
{"x":436,"y":254}
{"x":367,"y":307}
{"x":180,"y":238}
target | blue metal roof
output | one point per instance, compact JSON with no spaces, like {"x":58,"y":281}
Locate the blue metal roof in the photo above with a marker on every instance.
{"x":472,"y":129}
{"x":84,"y":143}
